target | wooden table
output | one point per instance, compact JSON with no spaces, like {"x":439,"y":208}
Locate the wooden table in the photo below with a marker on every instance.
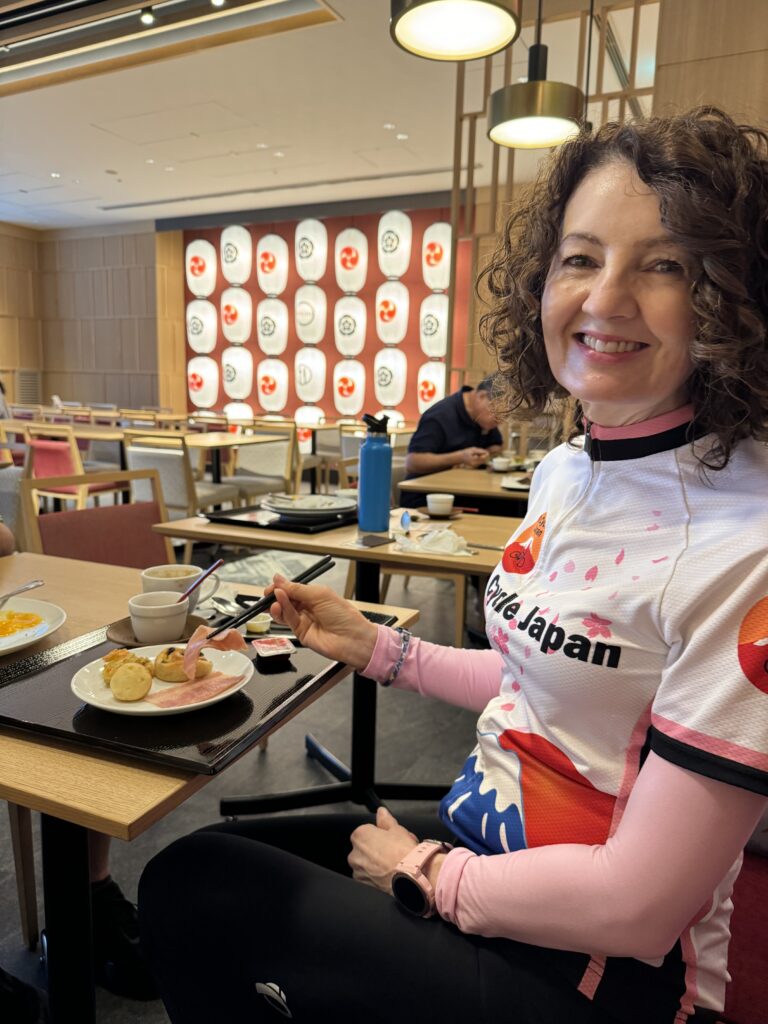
{"x":481,"y":487}
{"x":359,"y":785}
{"x":75,"y":789}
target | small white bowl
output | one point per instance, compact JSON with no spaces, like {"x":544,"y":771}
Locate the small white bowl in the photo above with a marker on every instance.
{"x":440,"y":504}
{"x":158,"y":617}
{"x":500,"y":464}
{"x":260,"y":624}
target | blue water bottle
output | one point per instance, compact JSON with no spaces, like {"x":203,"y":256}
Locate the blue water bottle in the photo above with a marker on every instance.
{"x":375,"y":477}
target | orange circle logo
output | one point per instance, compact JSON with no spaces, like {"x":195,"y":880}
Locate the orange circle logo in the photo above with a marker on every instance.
{"x":268,"y":385}
{"x":303,"y":433}
{"x":267,"y":262}
{"x":387,"y":311}
{"x":427,"y":391}
{"x":753,"y":645}
{"x":345,"y":387}
{"x":197,"y":266}
{"x":349,"y":257}
{"x":229,"y":313}
{"x":195,"y":382}
{"x":433,"y":254}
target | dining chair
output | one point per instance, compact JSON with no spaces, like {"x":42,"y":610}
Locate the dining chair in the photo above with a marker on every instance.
{"x":53,"y":452}
{"x":17,"y":452}
{"x":328,"y":451}
{"x":167,"y":452}
{"x":26,"y":412}
{"x":10,"y":502}
{"x":265,"y":467}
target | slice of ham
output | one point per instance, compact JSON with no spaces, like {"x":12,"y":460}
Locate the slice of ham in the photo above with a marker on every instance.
{"x":183,"y":694}
{"x":229,"y":640}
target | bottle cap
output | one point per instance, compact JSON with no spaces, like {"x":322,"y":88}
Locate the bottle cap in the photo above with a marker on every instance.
{"x":376,"y":424}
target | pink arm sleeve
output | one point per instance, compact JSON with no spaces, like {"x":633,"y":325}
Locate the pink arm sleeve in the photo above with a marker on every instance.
{"x":634,"y":896}
{"x":466,"y":678}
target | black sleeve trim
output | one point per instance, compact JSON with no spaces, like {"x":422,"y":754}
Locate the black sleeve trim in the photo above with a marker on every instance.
{"x":711,"y":765}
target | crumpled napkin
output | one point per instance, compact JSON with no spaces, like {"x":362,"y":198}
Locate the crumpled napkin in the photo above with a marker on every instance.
{"x":442,"y":541}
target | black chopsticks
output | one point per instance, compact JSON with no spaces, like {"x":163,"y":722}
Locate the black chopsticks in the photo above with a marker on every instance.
{"x":263,"y":603}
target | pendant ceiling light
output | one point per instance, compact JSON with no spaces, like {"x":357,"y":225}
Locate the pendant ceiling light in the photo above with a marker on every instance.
{"x":454,"y":29}
{"x":537,"y":113}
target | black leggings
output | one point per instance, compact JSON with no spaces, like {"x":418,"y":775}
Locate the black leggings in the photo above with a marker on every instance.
{"x":249,"y":920}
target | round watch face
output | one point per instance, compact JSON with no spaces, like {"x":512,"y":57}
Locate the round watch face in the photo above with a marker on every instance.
{"x":409,"y":895}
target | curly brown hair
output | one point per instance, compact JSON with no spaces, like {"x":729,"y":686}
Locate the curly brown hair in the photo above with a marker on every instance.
{"x":711,"y":177}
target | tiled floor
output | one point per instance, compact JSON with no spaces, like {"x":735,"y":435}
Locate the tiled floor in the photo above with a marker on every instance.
{"x":418,"y":740}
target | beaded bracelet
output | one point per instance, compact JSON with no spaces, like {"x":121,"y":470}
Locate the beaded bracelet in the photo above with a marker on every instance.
{"x":405,"y":643}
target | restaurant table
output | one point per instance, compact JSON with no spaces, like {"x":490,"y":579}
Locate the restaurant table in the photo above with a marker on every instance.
{"x":212,"y":440}
{"x":477,"y":487}
{"x":357,"y":783}
{"x":76,"y":789}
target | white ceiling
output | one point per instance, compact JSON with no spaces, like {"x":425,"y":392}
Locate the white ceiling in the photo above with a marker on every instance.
{"x":202,"y":133}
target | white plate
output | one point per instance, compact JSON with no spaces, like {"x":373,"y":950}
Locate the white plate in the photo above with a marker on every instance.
{"x":52,"y":617}
{"x":89,"y":686}
{"x":309,"y":505}
{"x":511,"y":483}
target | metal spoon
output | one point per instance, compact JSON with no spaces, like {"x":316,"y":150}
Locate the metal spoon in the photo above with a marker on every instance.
{"x":20,"y":590}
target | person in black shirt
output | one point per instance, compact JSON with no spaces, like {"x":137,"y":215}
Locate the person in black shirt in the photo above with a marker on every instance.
{"x":460,"y":430}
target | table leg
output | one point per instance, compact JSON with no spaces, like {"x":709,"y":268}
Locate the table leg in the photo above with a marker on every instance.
{"x":69,"y":943}
{"x":216,"y":465}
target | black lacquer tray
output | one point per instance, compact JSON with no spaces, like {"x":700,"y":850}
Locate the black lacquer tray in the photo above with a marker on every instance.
{"x":35,"y":697}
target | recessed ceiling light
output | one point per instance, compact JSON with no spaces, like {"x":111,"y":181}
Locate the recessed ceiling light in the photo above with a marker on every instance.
{"x":149,"y":160}
{"x":55,"y":174}
{"x":401,"y":136}
{"x":217,"y":3}
{"x":75,"y":181}
{"x":388,"y":126}
{"x":169,"y":168}
{"x":262,"y":145}
{"x":147,"y":16}
{"x":279,"y":153}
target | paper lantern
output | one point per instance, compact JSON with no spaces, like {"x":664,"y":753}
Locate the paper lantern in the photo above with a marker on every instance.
{"x":350,"y":317}
{"x":272,"y":384}
{"x":433,"y":326}
{"x":237,"y":371}
{"x":203,"y":381}
{"x":390,"y":371}
{"x":351,"y":259}
{"x":272,"y":264}
{"x":236,"y":249}
{"x":201,"y":325}
{"x":272,"y":326}
{"x":310,"y":311}
{"x":392,"y":308}
{"x":235,"y":411}
{"x":307,"y":416}
{"x":236,"y":315}
{"x":200,"y":265}
{"x":430,"y":384}
{"x":436,"y":256}
{"x":348,"y":386}
{"x":311,"y":250}
{"x":309,"y":374}
{"x":395,"y":417}
{"x":394,"y":243}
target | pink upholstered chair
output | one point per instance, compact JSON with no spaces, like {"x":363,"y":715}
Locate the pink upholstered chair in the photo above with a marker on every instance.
{"x":53,"y":452}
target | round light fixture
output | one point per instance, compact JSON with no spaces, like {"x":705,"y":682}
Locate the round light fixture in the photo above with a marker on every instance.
{"x":454,"y":29}
{"x":535,"y":115}
{"x":147,"y":16}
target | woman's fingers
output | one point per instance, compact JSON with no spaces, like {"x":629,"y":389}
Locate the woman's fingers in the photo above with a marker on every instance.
{"x":288,"y":614}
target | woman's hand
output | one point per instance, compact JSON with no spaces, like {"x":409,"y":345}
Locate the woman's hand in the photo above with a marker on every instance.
{"x":378,"y":849}
{"x":323,"y":621}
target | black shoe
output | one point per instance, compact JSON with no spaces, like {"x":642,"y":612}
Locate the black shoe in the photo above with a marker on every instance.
{"x":119,"y":962}
{"x":20,"y":1003}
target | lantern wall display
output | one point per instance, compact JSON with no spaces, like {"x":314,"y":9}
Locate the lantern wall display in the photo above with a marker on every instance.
{"x":330,"y":317}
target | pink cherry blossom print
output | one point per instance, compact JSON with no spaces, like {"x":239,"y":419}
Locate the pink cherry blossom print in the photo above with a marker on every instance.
{"x":516,"y":686}
{"x":499,"y":638}
{"x":591,"y":574}
{"x":554,"y":621}
{"x":657,"y":560}
{"x":619,"y":558}
{"x":614,"y":595}
{"x":652,"y":528}
{"x":553,"y":576}
{"x":655,"y":511}
{"x":569,"y":566}
{"x":507,"y":707}
{"x":597,"y":626}
{"x":527,"y":652}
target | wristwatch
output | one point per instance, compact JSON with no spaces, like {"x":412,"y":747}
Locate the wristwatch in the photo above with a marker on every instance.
{"x":411,"y":886}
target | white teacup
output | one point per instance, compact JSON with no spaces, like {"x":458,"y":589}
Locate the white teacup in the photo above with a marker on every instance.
{"x":158,"y":617}
{"x":440,"y":504}
{"x":178,"y":578}
{"x":500,"y":463}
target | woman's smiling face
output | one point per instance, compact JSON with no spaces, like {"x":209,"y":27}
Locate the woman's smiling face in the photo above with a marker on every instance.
{"x":616,"y":310}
